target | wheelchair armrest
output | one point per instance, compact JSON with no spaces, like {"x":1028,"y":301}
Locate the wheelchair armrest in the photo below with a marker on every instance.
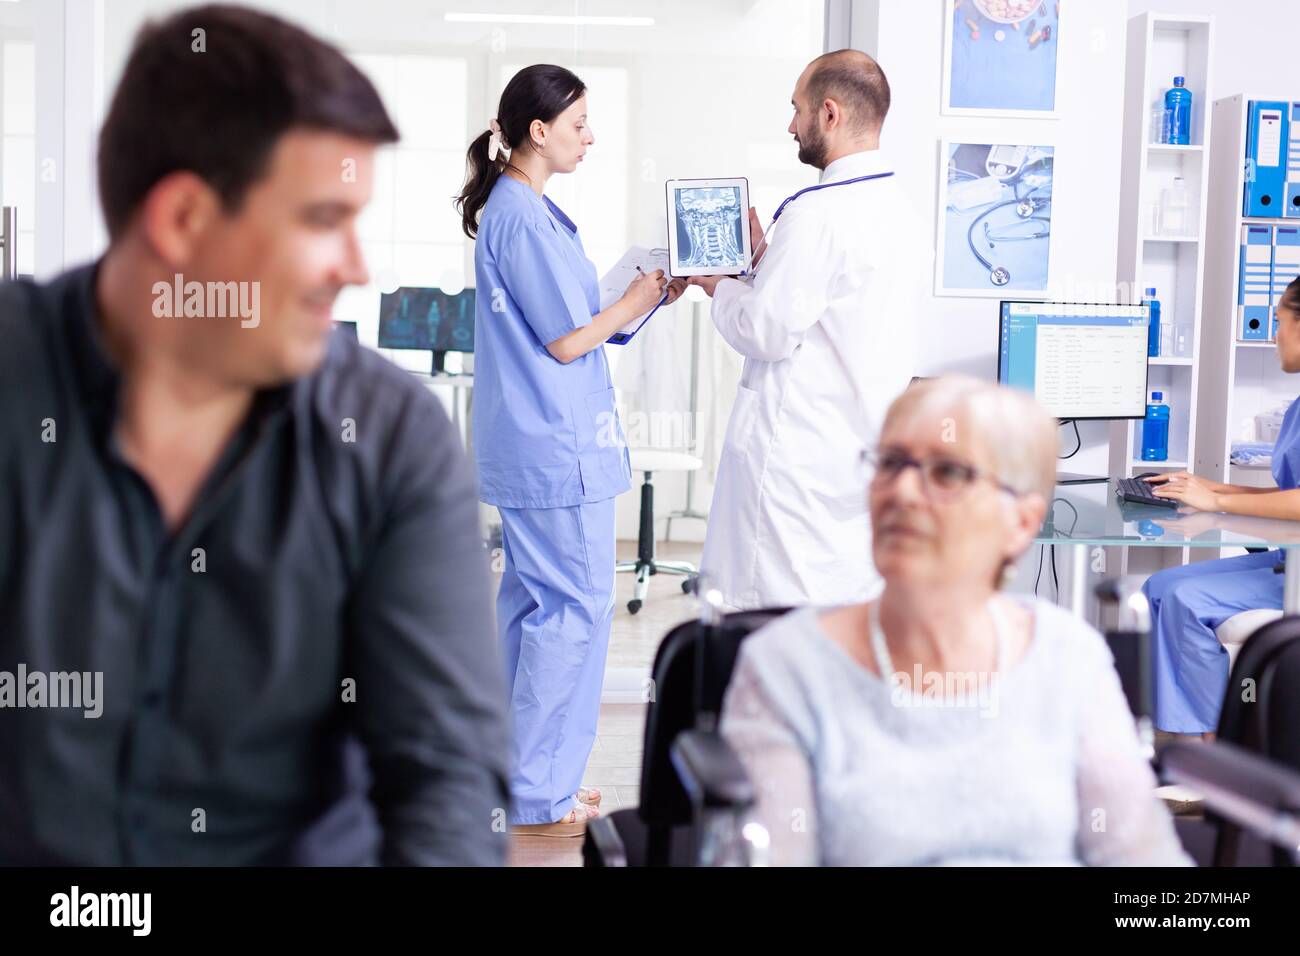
{"x":710,"y":771}
{"x":603,"y":847}
{"x":1255,"y":793}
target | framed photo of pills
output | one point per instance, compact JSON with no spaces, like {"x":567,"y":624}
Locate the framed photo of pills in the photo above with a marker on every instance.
{"x":1000,"y":57}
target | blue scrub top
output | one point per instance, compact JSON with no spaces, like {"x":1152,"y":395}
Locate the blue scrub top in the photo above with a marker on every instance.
{"x":1286,"y":452}
{"x":546,"y":434}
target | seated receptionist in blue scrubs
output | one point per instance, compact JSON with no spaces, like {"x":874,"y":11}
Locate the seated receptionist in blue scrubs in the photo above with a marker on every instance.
{"x":1188,"y":603}
{"x":547,"y":439}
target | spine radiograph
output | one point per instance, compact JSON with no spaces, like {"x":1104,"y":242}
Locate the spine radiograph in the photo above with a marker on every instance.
{"x":710,"y":217}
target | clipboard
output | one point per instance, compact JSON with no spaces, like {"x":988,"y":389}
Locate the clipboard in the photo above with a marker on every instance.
{"x":616,"y":281}
{"x":624,"y":335}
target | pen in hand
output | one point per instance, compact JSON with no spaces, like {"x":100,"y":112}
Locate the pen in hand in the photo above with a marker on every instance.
{"x":664,"y":298}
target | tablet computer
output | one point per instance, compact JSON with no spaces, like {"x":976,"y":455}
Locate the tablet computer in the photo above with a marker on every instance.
{"x":708,"y":227}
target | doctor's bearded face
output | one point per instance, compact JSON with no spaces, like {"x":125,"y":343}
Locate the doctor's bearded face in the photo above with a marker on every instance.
{"x":956,"y":535}
{"x":806,"y":126}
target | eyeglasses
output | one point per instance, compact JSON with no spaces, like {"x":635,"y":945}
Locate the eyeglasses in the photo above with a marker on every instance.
{"x":940,"y":477}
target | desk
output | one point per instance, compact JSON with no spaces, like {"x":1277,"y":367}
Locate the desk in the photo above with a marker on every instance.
{"x":1089,"y":516}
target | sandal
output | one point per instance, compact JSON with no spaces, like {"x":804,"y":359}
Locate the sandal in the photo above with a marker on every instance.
{"x":572,"y":824}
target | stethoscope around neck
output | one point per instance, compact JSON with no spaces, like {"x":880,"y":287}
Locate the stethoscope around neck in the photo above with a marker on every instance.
{"x":808,"y":189}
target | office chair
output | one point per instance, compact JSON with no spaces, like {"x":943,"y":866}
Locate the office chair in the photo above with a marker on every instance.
{"x":648,"y":461}
{"x":1268,"y":725}
{"x":1261,"y":714}
{"x":1233,"y":632}
{"x":693,"y":788}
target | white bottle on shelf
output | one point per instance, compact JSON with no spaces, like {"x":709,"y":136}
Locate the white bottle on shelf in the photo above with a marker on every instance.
{"x":1175,"y":211}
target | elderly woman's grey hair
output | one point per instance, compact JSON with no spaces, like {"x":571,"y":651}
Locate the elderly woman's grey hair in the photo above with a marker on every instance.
{"x":1015,"y":432}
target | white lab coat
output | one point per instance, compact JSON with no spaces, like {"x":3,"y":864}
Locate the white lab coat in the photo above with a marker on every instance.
{"x":825,"y":324}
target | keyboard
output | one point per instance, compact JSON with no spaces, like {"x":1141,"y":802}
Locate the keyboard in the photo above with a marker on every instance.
{"x":1139,"y":492}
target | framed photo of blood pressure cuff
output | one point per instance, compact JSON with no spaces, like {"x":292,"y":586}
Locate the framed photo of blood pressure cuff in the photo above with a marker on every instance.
{"x":999,"y":57}
{"x":995,"y":219}
{"x":708,"y":227}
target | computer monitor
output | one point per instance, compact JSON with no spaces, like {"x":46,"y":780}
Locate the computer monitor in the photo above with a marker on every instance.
{"x":419,"y":318}
{"x":1081,"y":361}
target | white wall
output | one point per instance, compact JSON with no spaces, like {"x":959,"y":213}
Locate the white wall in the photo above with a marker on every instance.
{"x":906,"y":35}
{"x":69,"y":230}
{"x":1254,"y":43}
{"x":960,"y":334}
{"x":744,"y":54}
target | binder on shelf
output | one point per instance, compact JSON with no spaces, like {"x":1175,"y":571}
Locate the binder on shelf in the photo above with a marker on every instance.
{"x":1292,"y":207}
{"x":1255,"y":283}
{"x":1286,"y":266}
{"x":1268,"y":141}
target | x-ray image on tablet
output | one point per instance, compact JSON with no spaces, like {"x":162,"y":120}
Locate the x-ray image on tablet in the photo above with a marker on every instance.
{"x":708,"y":227}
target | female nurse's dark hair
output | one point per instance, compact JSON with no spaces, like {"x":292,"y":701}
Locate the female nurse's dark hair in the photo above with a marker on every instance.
{"x":539,"y":92}
{"x":1291,"y":297}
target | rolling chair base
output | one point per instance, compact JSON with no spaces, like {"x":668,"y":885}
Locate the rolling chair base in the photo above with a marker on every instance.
{"x":645,"y":563}
{"x":643,"y":570}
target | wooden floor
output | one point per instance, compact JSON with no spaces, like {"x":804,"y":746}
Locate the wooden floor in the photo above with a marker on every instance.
{"x":615,"y":764}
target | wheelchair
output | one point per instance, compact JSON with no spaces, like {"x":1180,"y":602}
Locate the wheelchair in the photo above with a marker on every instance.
{"x":697,"y":801}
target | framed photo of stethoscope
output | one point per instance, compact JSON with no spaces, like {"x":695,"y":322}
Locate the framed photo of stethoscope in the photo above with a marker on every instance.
{"x":995,"y":219}
{"x":1000,"y":58}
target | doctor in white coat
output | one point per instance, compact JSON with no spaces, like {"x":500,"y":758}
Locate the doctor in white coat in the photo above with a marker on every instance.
{"x":825,"y":323}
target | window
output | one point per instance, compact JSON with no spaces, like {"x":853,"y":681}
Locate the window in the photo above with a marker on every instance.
{"x":18,"y":145}
{"x":410,"y":233}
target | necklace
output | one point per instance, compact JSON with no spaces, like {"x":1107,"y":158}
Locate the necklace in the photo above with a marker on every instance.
{"x":885,"y":662}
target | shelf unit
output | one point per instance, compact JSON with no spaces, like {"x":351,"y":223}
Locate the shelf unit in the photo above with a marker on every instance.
{"x":1238,"y":379}
{"x":1173,"y":147}
{"x":1161,"y":47}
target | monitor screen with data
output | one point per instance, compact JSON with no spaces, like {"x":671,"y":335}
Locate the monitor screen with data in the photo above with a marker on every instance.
{"x":1081,"y":361}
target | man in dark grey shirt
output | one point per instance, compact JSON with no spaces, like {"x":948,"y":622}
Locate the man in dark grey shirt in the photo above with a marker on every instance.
{"x":241,"y":575}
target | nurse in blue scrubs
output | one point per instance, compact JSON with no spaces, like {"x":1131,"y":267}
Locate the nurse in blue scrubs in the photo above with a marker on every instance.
{"x":549,"y":445}
{"x":1188,"y":603}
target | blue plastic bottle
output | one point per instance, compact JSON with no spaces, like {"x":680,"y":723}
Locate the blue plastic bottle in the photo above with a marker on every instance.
{"x":1153,"y":330}
{"x":1155,"y":430}
{"x":1178,"y":108}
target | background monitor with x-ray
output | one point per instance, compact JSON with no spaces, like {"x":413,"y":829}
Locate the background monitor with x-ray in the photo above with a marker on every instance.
{"x":427,"y":319}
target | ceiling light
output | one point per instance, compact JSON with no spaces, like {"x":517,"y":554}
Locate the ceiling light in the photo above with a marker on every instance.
{"x":549,"y":20}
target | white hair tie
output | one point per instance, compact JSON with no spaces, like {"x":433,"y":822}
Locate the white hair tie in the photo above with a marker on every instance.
{"x":496,"y":143}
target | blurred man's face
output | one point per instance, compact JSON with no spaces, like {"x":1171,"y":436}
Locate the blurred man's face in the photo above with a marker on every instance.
{"x":292,"y":247}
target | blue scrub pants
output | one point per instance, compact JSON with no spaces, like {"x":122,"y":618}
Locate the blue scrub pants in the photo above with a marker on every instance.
{"x":1187,"y":604}
{"x":554,"y":611}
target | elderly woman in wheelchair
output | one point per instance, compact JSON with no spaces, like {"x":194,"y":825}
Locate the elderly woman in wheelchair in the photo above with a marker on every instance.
{"x":945,"y":722}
